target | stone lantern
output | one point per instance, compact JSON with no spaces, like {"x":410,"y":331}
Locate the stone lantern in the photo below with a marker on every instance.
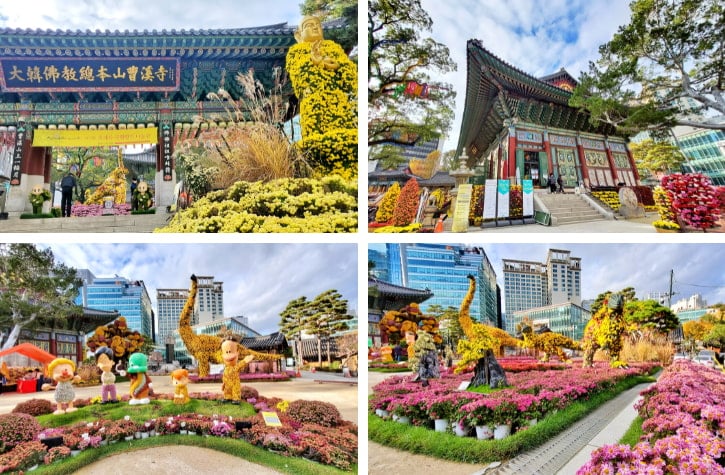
{"x":461,"y":175}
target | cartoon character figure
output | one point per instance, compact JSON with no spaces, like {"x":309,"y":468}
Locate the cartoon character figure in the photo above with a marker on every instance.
{"x":231,"y":386}
{"x":143,"y":196}
{"x":62,"y":370}
{"x":104,"y":360}
{"x":180,"y":379}
{"x":38,"y":196}
{"x":140,"y":382}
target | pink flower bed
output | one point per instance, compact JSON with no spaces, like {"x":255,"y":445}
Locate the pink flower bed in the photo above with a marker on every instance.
{"x":244,"y":377}
{"x":81,"y":211}
{"x":532,"y":394}
{"x":336,"y":445}
{"x":684,"y":427}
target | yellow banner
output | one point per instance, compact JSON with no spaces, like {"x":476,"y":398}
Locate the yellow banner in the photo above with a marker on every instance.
{"x":94,"y":138}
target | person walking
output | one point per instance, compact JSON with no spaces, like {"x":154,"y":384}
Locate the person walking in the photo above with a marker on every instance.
{"x":552,"y":183}
{"x":67,"y":184}
{"x":560,"y":182}
{"x":134,"y":197}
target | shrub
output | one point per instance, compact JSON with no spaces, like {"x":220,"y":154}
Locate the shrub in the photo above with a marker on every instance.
{"x":407,"y":205}
{"x":34,"y":407}
{"x":387,"y":205}
{"x":316,"y":412}
{"x":56,"y":453}
{"x":17,"y":428}
{"x":249,"y":392}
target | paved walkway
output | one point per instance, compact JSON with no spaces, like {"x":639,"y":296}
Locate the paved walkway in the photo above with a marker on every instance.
{"x":132,"y":223}
{"x":564,"y":454}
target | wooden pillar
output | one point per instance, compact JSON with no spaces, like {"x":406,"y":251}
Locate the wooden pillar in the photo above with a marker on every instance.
{"x":583,"y":161}
{"x":510,"y":170}
{"x":79,"y":349}
{"x":612,"y":165}
{"x":631,"y":164}
{"x":53,"y":343}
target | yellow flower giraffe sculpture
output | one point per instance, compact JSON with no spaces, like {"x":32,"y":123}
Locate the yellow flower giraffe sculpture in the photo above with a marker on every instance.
{"x":548,"y":343}
{"x":480,"y":344}
{"x":207,"y":349}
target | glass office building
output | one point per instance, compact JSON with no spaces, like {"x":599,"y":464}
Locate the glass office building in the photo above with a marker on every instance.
{"x":567,"y":319}
{"x":129,"y":297}
{"x":443,"y":269}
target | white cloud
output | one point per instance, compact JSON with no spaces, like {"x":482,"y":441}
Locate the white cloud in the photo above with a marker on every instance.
{"x":144,"y":14}
{"x":259,"y":279}
{"x":536,"y":36}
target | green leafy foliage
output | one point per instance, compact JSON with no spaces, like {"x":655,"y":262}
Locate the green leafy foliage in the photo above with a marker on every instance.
{"x":398,"y":54}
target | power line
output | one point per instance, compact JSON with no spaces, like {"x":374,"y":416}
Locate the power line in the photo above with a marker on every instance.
{"x":718,"y":286}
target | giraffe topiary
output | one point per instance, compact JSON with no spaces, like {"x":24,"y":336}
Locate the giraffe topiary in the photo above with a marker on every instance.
{"x":605,"y":331}
{"x":207,"y":349}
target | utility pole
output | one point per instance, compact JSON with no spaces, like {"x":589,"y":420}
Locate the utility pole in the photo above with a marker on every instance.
{"x":669,"y":294}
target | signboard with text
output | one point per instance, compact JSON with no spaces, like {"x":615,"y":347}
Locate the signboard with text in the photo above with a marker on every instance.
{"x":489,"y":199}
{"x":503,"y":198}
{"x":463,"y":207}
{"x":89,"y":74}
{"x":528,"y":189}
{"x":94,"y":138}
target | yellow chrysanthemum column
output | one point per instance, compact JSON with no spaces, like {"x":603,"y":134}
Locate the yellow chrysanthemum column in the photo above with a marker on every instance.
{"x":325,"y":82}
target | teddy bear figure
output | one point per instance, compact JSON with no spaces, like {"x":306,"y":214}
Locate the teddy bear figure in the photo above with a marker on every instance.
{"x":180,"y":380}
{"x":38,"y":196}
{"x":62,"y":370}
{"x":140,"y":382}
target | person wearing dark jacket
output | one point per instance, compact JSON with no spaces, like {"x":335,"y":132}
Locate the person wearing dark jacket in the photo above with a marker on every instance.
{"x":67,"y":185}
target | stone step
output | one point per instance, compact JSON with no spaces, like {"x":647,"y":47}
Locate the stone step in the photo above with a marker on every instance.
{"x":141,"y":223}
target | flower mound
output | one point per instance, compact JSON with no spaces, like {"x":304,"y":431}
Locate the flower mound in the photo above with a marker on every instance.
{"x":315,"y":412}
{"x":302,"y":205}
{"x":17,"y":428}
{"x":683,"y":429}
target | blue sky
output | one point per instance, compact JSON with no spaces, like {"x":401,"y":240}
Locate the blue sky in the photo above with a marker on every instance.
{"x":145,"y":14}
{"x":259,"y":279}
{"x":698,"y":268}
{"x":537,"y":36}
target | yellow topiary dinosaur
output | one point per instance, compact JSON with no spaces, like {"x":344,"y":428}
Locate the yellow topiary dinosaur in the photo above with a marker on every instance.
{"x":480,"y":345}
{"x":207,"y":349}
{"x":548,"y":343}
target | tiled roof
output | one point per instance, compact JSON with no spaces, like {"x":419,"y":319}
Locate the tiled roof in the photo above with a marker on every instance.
{"x":386,"y":288}
{"x":273,"y":341}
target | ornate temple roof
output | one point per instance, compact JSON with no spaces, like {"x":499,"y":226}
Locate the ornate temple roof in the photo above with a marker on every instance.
{"x":386,"y":289}
{"x":274,"y":341}
{"x":440,"y":179}
{"x":497,"y":92}
{"x":261,"y":41}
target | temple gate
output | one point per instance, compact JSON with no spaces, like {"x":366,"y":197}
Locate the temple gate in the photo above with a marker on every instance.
{"x":83,"y":88}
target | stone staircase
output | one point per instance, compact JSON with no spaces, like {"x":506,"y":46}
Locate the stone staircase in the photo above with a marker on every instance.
{"x":568,"y":208}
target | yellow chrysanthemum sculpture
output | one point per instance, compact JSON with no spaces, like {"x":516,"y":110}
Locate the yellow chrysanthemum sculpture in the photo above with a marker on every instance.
{"x":605,"y":331}
{"x":207,"y":349}
{"x":114,"y":185}
{"x":548,"y":343}
{"x":324,"y":80}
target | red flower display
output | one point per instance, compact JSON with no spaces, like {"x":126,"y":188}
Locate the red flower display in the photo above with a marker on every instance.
{"x":693,"y":199}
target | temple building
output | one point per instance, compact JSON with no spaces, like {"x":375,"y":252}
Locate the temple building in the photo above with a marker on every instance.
{"x":516,"y":126}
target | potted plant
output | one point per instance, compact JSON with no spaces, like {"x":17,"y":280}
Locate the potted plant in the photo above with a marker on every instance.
{"x":479,"y":414}
{"x":664,"y":226}
{"x":504,"y":415}
{"x":440,"y":409}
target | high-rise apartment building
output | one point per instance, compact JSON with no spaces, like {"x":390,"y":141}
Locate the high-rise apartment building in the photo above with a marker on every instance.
{"x":169,"y":304}
{"x":208,"y":308}
{"x":129,"y":297}
{"x":443,"y":269}
{"x":529,"y":284}
{"x":209,"y":300}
